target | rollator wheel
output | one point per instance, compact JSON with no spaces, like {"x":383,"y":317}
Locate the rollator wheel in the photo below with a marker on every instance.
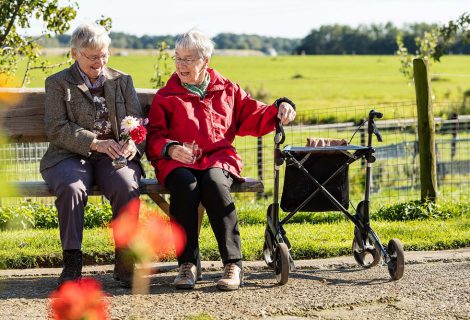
{"x":268,"y":252}
{"x":396,"y":265}
{"x":368,"y":257}
{"x":282,"y":263}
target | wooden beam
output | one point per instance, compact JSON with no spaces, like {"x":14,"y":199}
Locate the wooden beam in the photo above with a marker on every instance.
{"x":23,"y":120}
{"x":426,"y":131}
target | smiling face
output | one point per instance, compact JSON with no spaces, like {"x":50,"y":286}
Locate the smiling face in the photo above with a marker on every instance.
{"x":91,"y":61}
{"x":190,"y":66}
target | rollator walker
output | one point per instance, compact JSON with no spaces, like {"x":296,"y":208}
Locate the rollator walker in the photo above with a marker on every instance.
{"x":316,"y":180}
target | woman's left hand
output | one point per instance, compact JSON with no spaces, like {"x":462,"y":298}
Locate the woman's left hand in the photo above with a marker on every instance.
{"x":286,"y":113}
{"x":129,"y":150}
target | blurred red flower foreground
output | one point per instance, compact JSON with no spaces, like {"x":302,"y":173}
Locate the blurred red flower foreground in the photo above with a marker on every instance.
{"x":77,"y":300}
{"x":153,"y":237}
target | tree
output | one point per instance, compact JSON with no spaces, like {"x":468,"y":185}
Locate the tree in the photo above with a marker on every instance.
{"x":434,"y":43}
{"x":16,"y":16}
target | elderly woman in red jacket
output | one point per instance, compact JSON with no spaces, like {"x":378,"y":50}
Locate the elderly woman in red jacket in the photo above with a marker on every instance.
{"x":193,"y":121}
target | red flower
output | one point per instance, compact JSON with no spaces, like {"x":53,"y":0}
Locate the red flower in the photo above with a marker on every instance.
{"x":138,"y":134}
{"x":77,"y":300}
{"x":154,"y":237}
{"x":125,"y":226}
{"x":163,"y":236}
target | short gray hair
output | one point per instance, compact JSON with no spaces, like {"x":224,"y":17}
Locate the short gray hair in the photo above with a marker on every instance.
{"x":195,"y":40}
{"x":90,"y":35}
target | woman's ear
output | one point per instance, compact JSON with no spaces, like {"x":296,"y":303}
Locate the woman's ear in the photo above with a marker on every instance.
{"x":206,"y":62}
{"x":74,"y":53}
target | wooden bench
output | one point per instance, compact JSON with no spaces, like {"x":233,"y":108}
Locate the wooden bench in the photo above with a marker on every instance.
{"x":23,"y":122}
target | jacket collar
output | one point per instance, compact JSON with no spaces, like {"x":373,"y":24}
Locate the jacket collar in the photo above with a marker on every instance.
{"x":175,"y":87}
{"x":73,"y":76}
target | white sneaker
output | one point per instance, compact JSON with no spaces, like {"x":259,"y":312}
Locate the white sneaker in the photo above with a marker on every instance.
{"x":232,"y":278}
{"x":186,"y":277}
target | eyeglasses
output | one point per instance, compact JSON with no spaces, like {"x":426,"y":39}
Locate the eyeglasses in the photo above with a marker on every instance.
{"x":104,"y":57}
{"x":186,"y":62}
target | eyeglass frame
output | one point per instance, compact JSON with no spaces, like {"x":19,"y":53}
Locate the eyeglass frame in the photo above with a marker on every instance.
{"x":186,"y":62}
{"x":104,"y":57}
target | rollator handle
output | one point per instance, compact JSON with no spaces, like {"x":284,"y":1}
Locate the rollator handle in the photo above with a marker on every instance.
{"x":280,"y":136}
{"x":375,"y":114}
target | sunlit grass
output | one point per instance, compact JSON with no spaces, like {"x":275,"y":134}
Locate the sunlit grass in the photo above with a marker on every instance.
{"x":32,"y":248}
{"x":325,"y":82}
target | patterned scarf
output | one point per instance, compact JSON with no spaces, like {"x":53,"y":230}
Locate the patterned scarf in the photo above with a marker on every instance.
{"x":98,"y":83}
{"x":200,"y":89}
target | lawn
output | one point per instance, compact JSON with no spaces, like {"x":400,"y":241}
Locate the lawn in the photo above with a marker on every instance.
{"x":33,"y":248}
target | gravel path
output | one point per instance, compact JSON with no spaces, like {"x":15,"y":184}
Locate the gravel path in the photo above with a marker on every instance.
{"x":436,"y":285}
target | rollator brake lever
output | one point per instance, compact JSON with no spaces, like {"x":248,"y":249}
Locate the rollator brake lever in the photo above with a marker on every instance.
{"x":377,"y":133}
{"x":372,"y":128}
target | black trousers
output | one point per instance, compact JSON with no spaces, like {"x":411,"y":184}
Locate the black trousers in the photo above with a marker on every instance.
{"x":211,"y":187}
{"x":72,"y":180}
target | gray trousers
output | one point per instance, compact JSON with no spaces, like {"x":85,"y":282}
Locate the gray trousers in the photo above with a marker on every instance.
{"x":71,"y":181}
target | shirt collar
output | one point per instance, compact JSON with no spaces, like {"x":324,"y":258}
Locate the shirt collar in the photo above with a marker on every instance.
{"x":98,"y":83}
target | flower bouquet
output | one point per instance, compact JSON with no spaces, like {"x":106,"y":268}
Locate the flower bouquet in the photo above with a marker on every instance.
{"x":132,"y":129}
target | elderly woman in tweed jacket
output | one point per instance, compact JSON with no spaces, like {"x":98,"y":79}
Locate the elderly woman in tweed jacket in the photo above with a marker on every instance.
{"x":83,"y":111}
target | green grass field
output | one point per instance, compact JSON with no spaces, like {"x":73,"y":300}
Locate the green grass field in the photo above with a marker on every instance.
{"x":314,"y":82}
{"x":33,"y":248}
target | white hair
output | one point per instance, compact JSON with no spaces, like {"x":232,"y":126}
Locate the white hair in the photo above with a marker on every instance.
{"x":195,"y":40}
{"x":90,"y":35}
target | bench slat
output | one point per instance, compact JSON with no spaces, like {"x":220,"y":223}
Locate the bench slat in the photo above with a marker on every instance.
{"x":24,"y":121}
{"x":147,"y":186}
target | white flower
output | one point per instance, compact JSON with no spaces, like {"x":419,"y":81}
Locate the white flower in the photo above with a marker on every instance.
{"x":129,"y":123}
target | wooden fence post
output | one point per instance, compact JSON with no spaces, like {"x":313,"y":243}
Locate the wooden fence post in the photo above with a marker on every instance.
{"x":426,"y":130}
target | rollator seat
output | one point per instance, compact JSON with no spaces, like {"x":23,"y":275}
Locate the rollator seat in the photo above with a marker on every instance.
{"x":321,"y":164}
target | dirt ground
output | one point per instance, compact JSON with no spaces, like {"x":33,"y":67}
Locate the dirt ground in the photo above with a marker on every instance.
{"x":436,"y":285}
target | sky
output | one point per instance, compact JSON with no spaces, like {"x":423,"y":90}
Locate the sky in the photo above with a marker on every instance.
{"x":277,"y":18}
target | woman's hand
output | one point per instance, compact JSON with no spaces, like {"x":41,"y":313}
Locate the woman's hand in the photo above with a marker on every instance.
{"x":109,"y":146}
{"x":286,"y":113}
{"x":128,"y":149}
{"x":181,"y":154}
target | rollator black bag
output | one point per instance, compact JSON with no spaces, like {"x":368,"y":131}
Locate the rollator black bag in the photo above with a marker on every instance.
{"x":298,"y":186}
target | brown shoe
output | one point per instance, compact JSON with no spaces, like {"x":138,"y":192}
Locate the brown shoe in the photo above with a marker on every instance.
{"x":232,"y":279}
{"x":186,"y":277}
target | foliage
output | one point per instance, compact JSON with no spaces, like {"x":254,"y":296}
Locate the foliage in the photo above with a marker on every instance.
{"x":163,"y":67}
{"x":434,"y":43}
{"x":452,"y":32}
{"x":36,"y":215}
{"x":327,"y":39}
{"x":15,"y":17}
{"x":418,"y":210}
{"x":255,"y":42}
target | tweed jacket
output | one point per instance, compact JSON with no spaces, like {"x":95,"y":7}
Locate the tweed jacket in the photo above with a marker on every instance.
{"x":70,"y":112}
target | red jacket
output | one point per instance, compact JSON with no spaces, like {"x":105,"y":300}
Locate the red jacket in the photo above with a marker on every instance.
{"x":226,"y":111}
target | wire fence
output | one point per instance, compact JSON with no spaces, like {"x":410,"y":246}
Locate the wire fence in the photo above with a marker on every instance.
{"x":396,"y":175}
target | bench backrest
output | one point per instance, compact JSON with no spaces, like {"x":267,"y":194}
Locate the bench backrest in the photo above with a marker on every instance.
{"x":23,"y":121}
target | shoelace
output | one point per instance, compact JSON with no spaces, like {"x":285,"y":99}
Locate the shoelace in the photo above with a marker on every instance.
{"x":186,"y":270}
{"x":229,"y":271}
